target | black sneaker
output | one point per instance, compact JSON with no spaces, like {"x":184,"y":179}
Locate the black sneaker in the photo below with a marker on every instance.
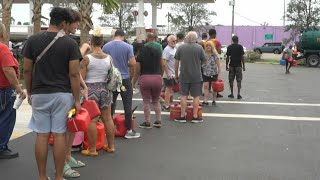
{"x":219,"y":95}
{"x":8,"y":154}
{"x":214,"y":103}
{"x":166,"y":109}
{"x":157,"y":124}
{"x":181,"y":119}
{"x":205,"y":104}
{"x":197,"y":120}
{"x":145,"y":125}
{"x":239,"y":96}
{"x":231,"y":96}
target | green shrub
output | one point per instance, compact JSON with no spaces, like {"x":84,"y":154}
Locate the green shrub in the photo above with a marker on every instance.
{"x":252,"y":56}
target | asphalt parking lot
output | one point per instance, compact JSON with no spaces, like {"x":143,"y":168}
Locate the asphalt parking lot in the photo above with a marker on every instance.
{"x":273,"y":133}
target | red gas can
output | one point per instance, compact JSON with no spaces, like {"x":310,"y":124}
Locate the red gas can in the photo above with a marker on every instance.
{"x":218,"y":86}
{"x":120,"y":123}
{"x":190,"y":112}
{"x":294,"y":64}
{"x":175,"y":111}
{"x":92,"y":108}
{"x":101,"y":136}
{"x":171,"y":97}
{"x":79,"y":122}
{"x":176,"y":88}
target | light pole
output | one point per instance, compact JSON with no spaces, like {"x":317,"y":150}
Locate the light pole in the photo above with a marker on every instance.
{"x":232,"y":3}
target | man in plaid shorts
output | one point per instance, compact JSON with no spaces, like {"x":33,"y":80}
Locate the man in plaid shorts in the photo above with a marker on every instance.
{"x":235,"y":64}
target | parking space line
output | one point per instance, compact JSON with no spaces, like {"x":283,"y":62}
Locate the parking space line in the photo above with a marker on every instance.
{"x":244,"y":116}
{"x":253,"y":103}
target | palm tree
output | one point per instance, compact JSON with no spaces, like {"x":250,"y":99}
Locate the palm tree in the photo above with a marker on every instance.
{"x":6,"y":17}
{"x":85,"y":8}
{"x":36,"y":19}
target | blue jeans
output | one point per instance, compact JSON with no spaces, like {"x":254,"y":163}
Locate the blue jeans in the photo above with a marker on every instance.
{"x":7,"y":116}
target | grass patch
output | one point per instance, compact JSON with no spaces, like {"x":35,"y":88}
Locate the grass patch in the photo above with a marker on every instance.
{"x":269,"y":61}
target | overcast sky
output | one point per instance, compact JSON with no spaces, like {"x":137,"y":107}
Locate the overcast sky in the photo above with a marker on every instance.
{"x":247,"y":12}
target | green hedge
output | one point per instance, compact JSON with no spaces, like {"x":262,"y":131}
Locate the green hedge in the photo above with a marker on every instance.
{"x":252,"y":56}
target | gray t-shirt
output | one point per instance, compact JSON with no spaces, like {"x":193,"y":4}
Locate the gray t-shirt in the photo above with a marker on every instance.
{"x":168,"y":55}
{"x":190,"y":56}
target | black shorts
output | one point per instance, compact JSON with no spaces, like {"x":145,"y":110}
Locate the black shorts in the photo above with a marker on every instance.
{"x":169,"y":83}
{"x":235,"y":72}
{"x":210,"y":79}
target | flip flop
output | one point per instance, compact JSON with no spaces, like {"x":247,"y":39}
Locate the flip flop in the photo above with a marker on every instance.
{"x":69,"y":173}
{"x":73,"y":163}
{"x":88,"y":153}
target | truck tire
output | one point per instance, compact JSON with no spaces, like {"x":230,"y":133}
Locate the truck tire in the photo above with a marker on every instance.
{"x":313,"y":60}
{"x":276,"y":51}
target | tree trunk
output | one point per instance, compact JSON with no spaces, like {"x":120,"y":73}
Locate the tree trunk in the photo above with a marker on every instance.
{"x":85,"y":9}
{"x":6,"y":17}
{"x":36,"y":19}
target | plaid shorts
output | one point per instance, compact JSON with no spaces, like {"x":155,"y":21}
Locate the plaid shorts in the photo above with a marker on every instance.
{"x":235,"y":72}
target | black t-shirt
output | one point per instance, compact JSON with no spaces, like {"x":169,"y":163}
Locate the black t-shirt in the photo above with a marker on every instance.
{"x":150,"y":60}
{"x":52,"y":71}
{"x":235,"y":51}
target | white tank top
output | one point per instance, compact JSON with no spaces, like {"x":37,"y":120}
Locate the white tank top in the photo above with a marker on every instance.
{"x":97,"y":69}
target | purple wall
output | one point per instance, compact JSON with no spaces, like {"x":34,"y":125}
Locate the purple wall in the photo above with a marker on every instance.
{"x":249,"y":36}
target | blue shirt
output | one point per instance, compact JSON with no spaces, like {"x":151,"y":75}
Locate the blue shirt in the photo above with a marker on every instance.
{"x":121,"y":53}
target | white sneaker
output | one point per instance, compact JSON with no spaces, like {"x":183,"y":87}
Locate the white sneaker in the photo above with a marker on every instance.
{"x":132,"y":135}
{"x":135,"y":91}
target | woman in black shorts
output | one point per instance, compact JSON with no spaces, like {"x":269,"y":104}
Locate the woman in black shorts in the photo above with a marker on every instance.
{"x":211,"y":72}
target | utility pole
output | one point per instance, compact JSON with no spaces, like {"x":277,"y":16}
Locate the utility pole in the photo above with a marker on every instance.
{"x":284,"y":13}
{"x":232,"y":3}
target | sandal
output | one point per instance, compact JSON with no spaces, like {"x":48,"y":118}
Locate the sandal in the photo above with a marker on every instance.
{"x":106,"y":148}
{"x":88,"y":153}
{"x":69,"y":173}
{"x":75,"y":164}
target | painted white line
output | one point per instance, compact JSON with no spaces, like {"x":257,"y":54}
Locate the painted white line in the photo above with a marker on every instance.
{"x":243,"y":116}
{"x":253,"y":103}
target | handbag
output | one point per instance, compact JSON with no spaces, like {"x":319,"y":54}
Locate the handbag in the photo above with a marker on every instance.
{"x":60,"y":34}
{"x":114,"y":79}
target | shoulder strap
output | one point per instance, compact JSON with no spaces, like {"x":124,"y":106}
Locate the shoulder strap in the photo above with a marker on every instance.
{"x":60,"y":34}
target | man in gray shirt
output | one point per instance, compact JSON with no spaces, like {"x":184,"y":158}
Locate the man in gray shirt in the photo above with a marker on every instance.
{"x":168,"y":75}
{"x":189,"y":56}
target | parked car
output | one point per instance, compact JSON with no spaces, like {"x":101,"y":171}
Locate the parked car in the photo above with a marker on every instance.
{"x":274,"y":47}
{"x":224,"y":48}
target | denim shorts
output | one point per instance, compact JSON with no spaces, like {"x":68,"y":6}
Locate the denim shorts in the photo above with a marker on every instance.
{"x":50,"y":112}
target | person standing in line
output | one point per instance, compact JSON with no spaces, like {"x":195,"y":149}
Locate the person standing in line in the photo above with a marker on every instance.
{"x":204,"y":37}
{"x":168,"y":75}
{"x":217,"y":46}
{"x":190,"y":55}
{"x":211,"y":72}
{"x":9,"y":88}
{"x":123,"y":59}
{"x":71,"y":162}
{"x":235,"y":64}
{"x":180,"y":40}
{"x":53,"y":86}
{"x":150,"y":68}
{"x":94,"y":68}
